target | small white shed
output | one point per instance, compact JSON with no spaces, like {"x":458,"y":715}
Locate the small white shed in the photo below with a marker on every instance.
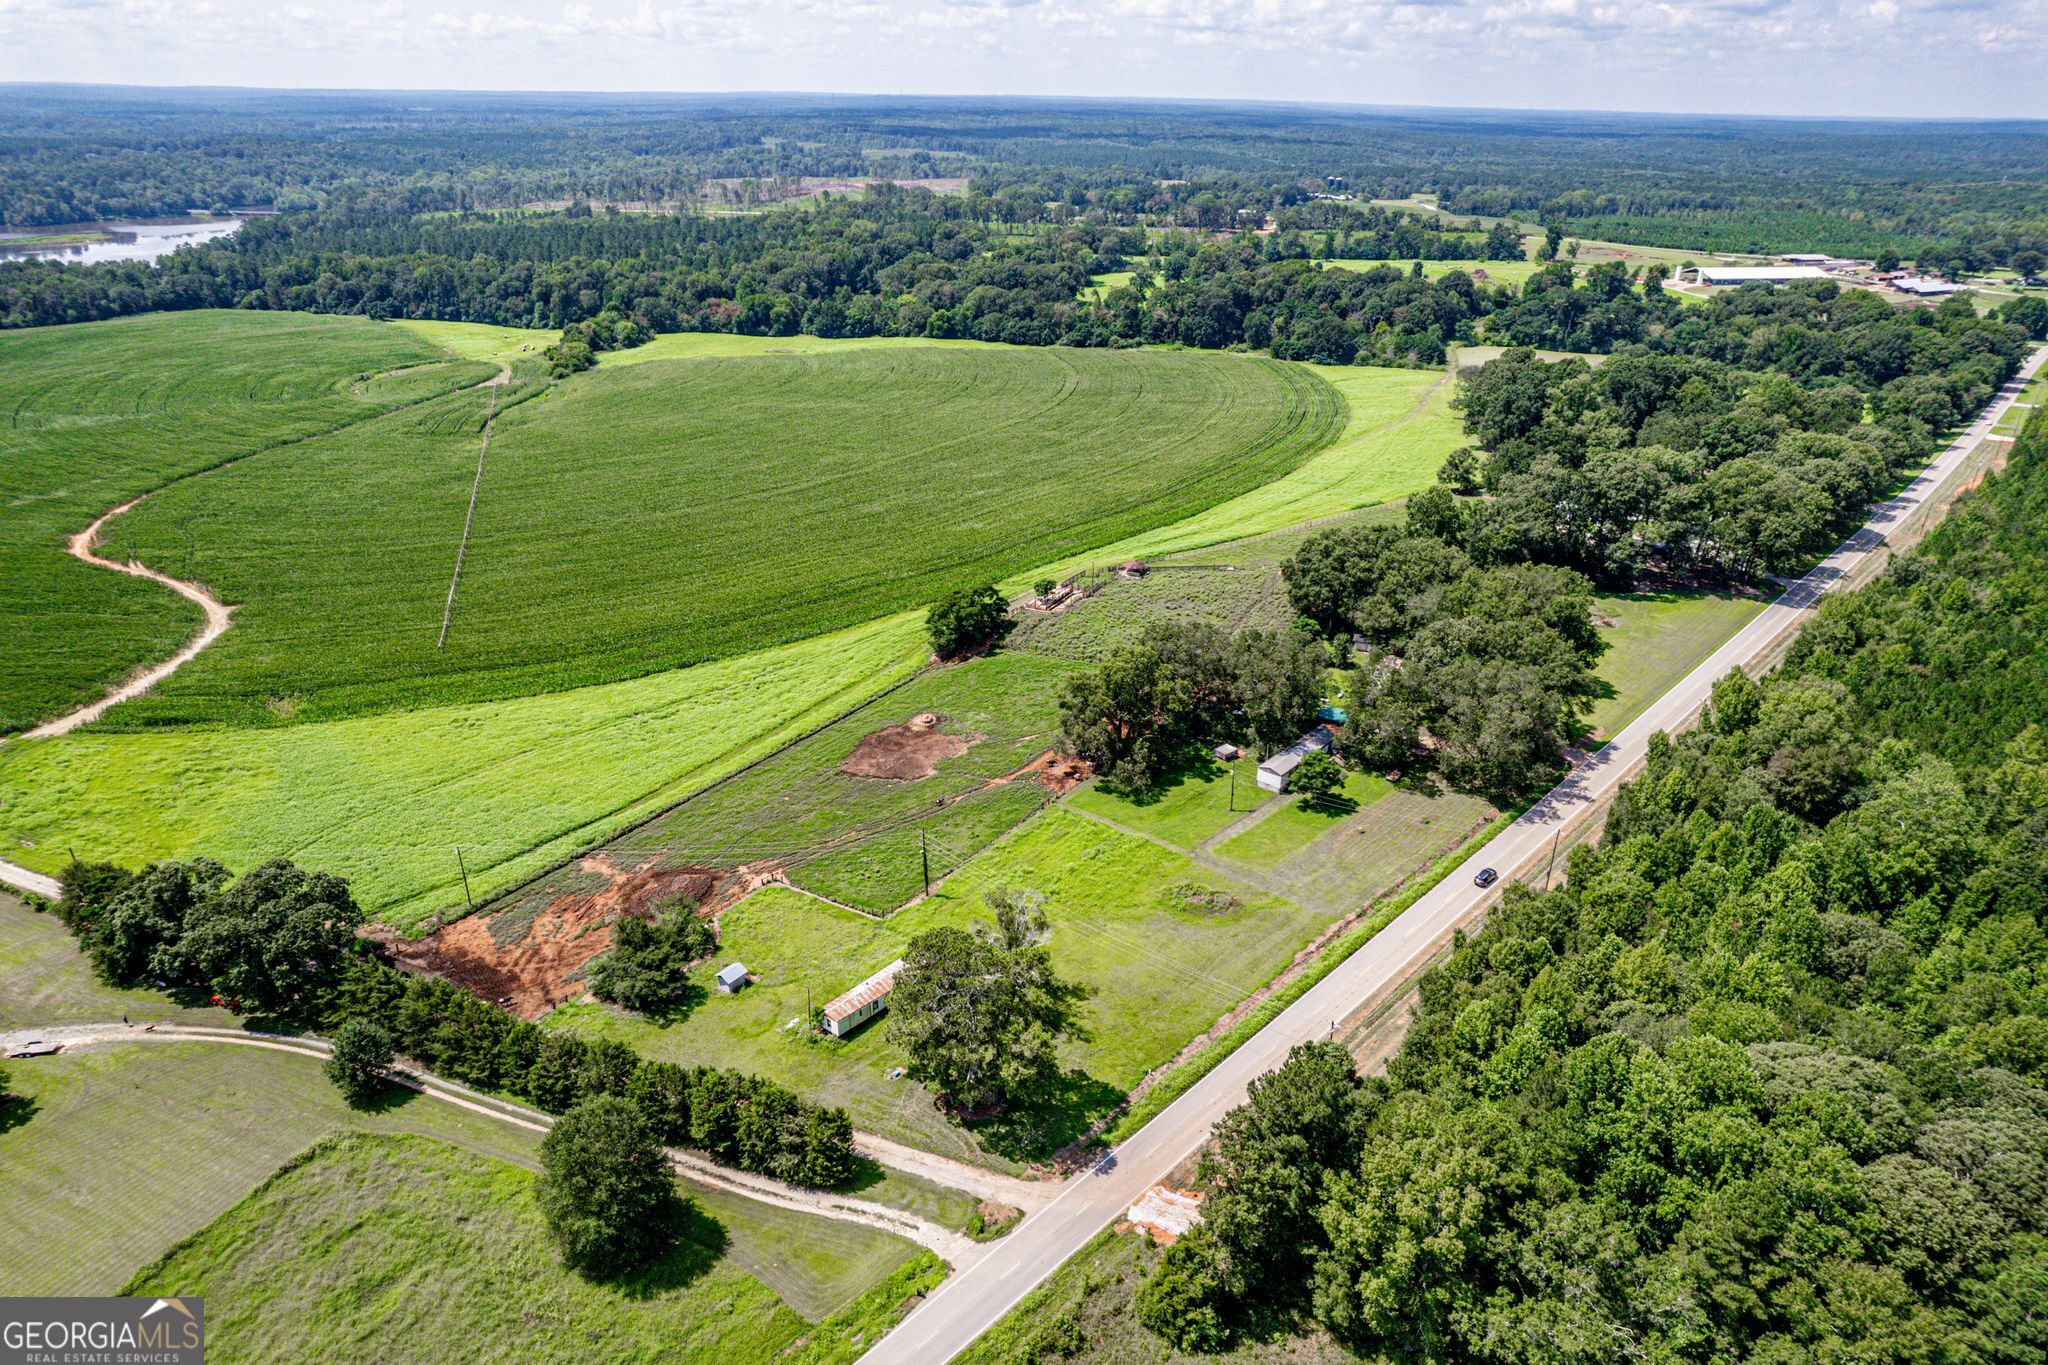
{"x":731,"y":977}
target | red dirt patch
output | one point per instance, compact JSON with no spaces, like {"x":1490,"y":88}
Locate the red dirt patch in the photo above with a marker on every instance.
{"x":909,"y":752}
{"x":1057,"y":772}
{"x":530,"y":959}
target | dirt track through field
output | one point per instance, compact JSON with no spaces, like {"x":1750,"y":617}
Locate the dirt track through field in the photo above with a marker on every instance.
{"x":218,"y":618}
{"x":955,"y":1248}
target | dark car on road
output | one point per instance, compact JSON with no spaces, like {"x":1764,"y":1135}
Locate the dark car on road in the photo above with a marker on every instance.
{"x":1487,"y":877}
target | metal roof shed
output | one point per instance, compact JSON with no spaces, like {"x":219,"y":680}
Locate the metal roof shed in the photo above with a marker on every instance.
{"x":732,"y":976}
{"x":863,"y":1002}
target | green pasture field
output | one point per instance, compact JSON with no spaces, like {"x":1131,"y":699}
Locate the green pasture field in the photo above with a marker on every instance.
{"x":1471,"y":357}
{"x":402,"y":1249}
{"x":44,"y":979}
{"x":1187,"y":806}
{"x":1514,"y":273}
{"x":130,"y":1149}
{"x":1098,"y":286}
{"x":1338,"y":861}
{"x":798,"y":804}
{"x":661,"y":515}
{"x":1163,"y":965}
{"x":385,"y":800}
{"x":1296,"y":823}
{"x":101,"y":412}
{"x":1653,"y":640}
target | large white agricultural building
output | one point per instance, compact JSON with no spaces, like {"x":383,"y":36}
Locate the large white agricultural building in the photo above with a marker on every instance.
{"x":1750,"y":274}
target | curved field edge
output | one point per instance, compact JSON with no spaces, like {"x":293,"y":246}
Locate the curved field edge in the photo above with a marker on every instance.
{"x":385,"y":800}
{"x":394,"y":1246}
{"x":523,"y":784}
{"x":93,"y":415}
{"x":660,"y":516}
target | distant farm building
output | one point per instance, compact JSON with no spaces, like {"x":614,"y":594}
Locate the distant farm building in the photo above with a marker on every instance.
{"x":863,"y":1002}
{"x":1922,"y":287}
{"x":1275,"y":771}
{"x":1750,"y":274}
{"x":1805,"y":258}
{"x":731,"y":977}
{"x":1228,"y":753}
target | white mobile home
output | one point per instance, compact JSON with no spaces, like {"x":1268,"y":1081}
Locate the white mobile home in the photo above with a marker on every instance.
{"x":863,"y":1002}
{"x":1274,"y":772}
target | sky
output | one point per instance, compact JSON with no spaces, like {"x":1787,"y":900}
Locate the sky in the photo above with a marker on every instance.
{"x":1936,"y":58}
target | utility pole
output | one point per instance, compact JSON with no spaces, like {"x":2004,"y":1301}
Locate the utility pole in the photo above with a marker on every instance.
{"x":1233,"y":788}
{"x":924,"y":853}
{"x":1552,"y":866}
{"x":465,"y":876}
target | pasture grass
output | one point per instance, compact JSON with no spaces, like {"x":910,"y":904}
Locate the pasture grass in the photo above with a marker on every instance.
{"x":1348,"y":861}
{"x":1514,"y":273}
{"x":101,"y":412}
{"x":397,"y":1249}
{"x":661,"y":515}
{"x":385,"y":800}
{"x":1165,"y":944}
{"x":1186,"y":806}
{"x":44,"y":979}
{"x":1655,"y":640}
{"x":131,"y":1148}
{"x":1296,"y":822}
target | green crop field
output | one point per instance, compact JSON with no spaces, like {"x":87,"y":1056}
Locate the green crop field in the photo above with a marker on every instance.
{"x":404,"y":1249}
{"x":659,"y":515}
{"x":1399,"y":430}
{"x":102,"y":412}
{"x":384,"y":800}
{"x":1129,"y":919}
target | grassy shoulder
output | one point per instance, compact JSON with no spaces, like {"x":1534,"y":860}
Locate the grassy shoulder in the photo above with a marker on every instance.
{"x":399,"y":1248}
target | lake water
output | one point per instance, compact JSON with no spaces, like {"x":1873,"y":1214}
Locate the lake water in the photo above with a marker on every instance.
{"x":131,"y":241}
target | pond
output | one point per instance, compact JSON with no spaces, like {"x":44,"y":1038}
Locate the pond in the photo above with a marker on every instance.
{"x":138,"y":240}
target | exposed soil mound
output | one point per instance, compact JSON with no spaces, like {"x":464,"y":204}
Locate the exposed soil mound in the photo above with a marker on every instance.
{"x":529,"y":957}
{"x":909,"y":752}
{"x":1057,"y":772}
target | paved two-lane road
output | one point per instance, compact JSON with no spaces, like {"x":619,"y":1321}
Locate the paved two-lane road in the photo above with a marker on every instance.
{"x":972,"y":1301}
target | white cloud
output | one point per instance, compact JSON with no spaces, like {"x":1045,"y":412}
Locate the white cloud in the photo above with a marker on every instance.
{"x":1791,"y":56}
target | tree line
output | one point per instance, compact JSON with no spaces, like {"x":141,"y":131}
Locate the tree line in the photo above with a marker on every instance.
{"x":1738,"y":438}
{"x":280,"y":941}
{"x":1765,"y":1079}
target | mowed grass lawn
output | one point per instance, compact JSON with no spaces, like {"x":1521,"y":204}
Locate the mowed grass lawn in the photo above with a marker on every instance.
{"x":1128,"y":920}
{"x":654,"y":516}
{"x":1654,"y":640}
{"x":405,"y":1249}
{"x":101,"y":412}
{"x":44,"y":979}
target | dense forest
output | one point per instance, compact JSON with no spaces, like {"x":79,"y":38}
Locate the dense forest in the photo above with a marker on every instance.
{"x":1739,"y":438}
{"x":1766,"y":1079}
{"x":892,"y":263}
{"x":1970,"y":192}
